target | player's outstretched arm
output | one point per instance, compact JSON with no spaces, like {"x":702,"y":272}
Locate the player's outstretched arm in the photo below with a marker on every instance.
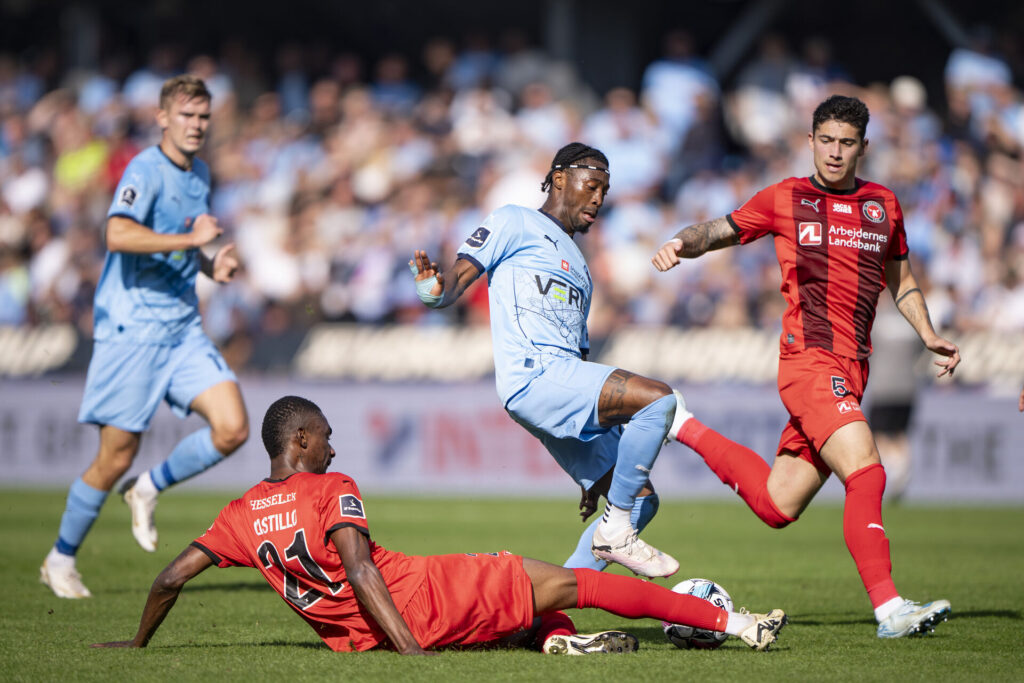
{"x":126,"y":235}
{"x":371,"y":591}
{"x":437,"y":289}
{"x":910,"y":301}
{"x":695,"y":240}
{"x":164,"y":593}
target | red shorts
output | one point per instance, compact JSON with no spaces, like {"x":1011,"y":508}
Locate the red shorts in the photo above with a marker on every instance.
{"x":822,"y":392}
{"x":470,"y":598}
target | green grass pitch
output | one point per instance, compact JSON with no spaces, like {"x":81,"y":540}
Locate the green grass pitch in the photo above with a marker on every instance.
{"x":228,"y":625}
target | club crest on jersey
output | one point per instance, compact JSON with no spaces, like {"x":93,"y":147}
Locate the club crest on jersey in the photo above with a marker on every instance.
{"x":813,"y":203}
{"x":128,"y":196}
{"x":479,"y":236}
{"x":873,"y":211}
{"x":809,"y":234}
{"x":351,"y":506}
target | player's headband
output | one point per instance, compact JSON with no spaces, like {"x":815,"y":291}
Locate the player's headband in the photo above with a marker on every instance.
{"x":592,"y":168}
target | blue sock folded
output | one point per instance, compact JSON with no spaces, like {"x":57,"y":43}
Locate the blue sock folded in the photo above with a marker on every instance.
{"x":193,"y":454}
{"x":82,"y":509}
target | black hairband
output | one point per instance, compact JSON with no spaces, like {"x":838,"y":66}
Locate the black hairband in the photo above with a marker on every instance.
{"x":592,"y":168}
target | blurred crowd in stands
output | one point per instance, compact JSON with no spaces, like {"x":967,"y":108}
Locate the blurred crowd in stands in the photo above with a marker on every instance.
{"x":328,"y":171}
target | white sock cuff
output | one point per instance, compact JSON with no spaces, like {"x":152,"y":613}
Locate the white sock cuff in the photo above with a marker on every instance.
{"x":681,"y":416}
{"x":883,"y":611}
{"x":738,"y":623}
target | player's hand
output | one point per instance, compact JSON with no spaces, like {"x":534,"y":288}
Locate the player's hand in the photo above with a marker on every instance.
{"x":947,"y":349}
{"x":117,"y":643}
{"x":588,"y":504}
{"x":424,"y":269}
{"x":225,"y":263}
{"x":668,"y":256}
{"x":204,"y":229}
{"x":416,"y":650}
{"x":1020,"y":401}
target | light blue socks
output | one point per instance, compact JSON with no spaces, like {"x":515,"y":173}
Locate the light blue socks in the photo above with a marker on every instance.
{"x":193,"y":454}
{"x":83,"y":507}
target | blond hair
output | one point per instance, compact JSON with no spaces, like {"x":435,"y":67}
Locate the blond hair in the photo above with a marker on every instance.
{"x":185,"y":84}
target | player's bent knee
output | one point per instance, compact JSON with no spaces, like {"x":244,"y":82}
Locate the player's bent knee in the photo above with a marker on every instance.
{"x":228,"y":439}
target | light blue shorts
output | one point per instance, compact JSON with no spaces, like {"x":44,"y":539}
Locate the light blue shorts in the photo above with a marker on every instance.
{"x":127,"y":380}
{"x":559,"y":407}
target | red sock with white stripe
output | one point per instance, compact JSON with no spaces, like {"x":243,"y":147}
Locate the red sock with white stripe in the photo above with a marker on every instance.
{"x":739,"y":468}
{"x":636,"y":599}
{"x":865,"y":535}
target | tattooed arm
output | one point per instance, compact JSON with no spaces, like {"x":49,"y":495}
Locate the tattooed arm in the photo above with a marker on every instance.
{"x":695,"y":240}
{"x":910,"y":302}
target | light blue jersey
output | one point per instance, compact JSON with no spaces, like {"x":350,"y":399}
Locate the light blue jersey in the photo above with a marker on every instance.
{"x":152,"y":297}
{"x":539,"y":290}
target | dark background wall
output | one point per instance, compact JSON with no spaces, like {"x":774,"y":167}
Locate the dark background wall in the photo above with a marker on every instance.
{"x":610,"y":41}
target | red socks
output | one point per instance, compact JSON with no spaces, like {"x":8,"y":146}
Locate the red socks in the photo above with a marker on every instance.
{"x":739,"y":468}
{"x":636,"y":599}
{"x":864,"y":534}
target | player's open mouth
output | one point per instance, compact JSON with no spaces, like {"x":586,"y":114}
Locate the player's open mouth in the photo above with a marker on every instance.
{"x":589,"y":218}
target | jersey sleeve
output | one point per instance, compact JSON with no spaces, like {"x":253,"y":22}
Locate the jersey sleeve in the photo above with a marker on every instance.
{"x":497,"y":238}
{"x":220,"y":542}
{"x":898,"y":249}
{"x":342,"y":506}
{"x":136,"y":192}
{"x":756,"y":218}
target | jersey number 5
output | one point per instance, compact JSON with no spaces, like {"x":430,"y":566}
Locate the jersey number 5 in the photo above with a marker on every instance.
{"x":271,"y":557}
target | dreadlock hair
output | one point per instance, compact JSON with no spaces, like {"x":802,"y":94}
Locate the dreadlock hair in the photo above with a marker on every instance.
{"x":280,"y":421}
{"x":843,"y":109}
{"x":570,"y":154}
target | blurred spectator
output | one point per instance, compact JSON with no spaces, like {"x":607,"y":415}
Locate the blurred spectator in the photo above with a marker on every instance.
{"x":325,"y":176}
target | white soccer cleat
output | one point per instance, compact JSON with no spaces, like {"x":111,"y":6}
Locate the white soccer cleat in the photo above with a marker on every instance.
{"x":142,"y":508}
{"x":634,"y":554}
{"x":64,"y":581}
{"x":914,"y":619}
{"x":762,"y":633}
{"x":681,"y":416}
{"x":609,"y":642}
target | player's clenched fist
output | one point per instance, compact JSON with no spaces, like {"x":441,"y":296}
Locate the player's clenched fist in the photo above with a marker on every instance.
{"x":668,"y":256}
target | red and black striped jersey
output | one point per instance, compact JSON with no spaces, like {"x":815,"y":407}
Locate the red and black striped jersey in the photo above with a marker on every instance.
{"x":832,"y":246}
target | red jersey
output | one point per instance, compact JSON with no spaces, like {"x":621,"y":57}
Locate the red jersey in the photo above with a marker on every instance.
{"x":283,"y":529}
{"x":832,"y":246}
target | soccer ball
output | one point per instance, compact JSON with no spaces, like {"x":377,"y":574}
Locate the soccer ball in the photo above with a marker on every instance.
{"x":688,"y":637}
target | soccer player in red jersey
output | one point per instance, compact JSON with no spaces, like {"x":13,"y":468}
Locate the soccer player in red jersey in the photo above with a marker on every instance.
{"x":840,"y":241}
{"x":306,"y":531}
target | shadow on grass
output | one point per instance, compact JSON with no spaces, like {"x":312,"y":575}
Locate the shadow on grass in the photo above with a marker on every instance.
{"x":823,"y":620}
{"x":268,"y":643}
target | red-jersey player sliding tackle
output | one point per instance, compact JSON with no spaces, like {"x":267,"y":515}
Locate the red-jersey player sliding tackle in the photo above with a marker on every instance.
{"x":306,"y":531}
{"x":840,"y":241}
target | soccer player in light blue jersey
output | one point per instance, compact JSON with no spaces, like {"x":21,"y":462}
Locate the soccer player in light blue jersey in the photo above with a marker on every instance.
{"x":603,"y":425}
{"x":149,"y":344}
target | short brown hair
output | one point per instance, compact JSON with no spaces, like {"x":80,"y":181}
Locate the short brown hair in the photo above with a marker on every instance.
{"x":185,"y":84}
{"x":844,"y":110}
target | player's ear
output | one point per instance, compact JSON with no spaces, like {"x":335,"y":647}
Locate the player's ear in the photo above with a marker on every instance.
{"x":161,"y":118}
{"x":558,"y":179}
{"x":863,"y":147}
{"x":300,"y":435}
